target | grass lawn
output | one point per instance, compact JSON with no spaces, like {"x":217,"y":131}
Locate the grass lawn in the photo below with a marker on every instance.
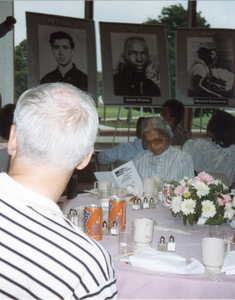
{"x":111,"y":112}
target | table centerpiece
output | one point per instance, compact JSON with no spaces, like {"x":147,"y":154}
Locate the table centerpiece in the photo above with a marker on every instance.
{"x":204,"y":197}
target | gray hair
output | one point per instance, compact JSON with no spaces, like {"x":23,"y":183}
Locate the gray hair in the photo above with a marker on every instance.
{"x":56,"y":124}
{"x":156,"y":123}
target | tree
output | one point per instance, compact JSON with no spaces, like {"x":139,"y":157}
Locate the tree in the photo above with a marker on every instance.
{"x":172,"y":17}
{"x":21,"y":72}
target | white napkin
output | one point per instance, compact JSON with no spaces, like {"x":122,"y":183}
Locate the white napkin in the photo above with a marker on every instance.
{"x":135,"y":188}
{"x":229,"y":264}
{"x":166,"y":262}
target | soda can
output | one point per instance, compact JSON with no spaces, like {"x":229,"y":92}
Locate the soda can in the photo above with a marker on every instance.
{"x":166,"y":193}
{"x":93,"y":221}
{"x":117,"y":212}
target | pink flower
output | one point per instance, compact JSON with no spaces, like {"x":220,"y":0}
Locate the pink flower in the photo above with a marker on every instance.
{"x":225,"y":200}
{"x":204,"y":177}
{"x":180,"y":190}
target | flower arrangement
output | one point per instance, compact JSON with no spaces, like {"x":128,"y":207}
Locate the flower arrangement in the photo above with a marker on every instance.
{"x":203,"y":197}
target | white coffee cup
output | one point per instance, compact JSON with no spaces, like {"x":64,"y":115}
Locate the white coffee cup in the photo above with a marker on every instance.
{"x":143,"y":231}
{"x":213,"y":251}
{"x":149,"y":186}
{"x":102,"y":185}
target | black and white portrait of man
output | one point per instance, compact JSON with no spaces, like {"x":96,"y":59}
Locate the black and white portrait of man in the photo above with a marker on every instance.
{"x":136,"y":72}
{"x":63,"y":57}
{"x":62,"y":47}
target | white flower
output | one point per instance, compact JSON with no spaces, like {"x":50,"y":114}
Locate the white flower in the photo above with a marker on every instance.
{"x":188,"y":206}
{"x":176,"y":204}
{"x":208,"y":209}
{"x":185,"y":178}
{"x":202,"y":188}
{"x":182,"y":182}
{"x":228,"y":212}
{"x":217,"y":181}
{"x":191,"y":182}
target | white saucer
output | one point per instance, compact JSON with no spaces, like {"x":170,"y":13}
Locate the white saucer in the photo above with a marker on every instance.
{"x":232,"y":224}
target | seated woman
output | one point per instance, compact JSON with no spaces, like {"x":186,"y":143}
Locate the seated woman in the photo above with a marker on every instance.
{"x":160,"y":158}
{"x":216,"y":153}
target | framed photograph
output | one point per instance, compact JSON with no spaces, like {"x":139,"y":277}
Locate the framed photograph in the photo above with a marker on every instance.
{"x":205,"y":67}
{"x":61,"y":49}
{"x":134,"y":64}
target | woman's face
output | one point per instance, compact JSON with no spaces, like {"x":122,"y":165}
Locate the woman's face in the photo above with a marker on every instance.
{"x":155,"y":142}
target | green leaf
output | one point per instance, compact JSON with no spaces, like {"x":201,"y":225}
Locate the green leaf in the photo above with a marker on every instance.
{"x":215,"y":221}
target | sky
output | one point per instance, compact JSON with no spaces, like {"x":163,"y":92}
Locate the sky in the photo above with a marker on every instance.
{"x":219,"y":14}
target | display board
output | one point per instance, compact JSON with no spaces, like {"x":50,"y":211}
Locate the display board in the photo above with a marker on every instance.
{"x":134,"y":64}
{"x":61,"y":49}
{"x":205,"y":67}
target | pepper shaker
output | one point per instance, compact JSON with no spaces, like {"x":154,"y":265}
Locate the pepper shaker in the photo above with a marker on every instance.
{"x":161,"y":244}
{"x":105,"y":229}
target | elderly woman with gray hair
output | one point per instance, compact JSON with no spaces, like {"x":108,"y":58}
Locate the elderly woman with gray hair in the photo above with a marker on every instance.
{"x":160,"y":158}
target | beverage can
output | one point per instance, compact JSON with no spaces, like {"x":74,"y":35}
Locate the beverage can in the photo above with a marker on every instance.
{"x":117,"y":212}
{"x":93,"y":221}
{"x":166,"y":193}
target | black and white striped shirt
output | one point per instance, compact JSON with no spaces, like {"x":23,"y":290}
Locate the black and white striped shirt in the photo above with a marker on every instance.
{"x":42,"y":256}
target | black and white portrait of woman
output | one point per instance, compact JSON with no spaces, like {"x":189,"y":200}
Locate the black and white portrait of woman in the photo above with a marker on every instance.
{"x":210,"y":67}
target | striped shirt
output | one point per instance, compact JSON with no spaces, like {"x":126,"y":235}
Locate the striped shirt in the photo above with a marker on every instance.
{"x":42,"y":256}
{"x":172,"y":164}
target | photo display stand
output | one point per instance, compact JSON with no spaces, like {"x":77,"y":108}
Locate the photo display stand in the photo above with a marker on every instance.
{"x":205,"y":65}
{"x":134,"y":64}
{"x":128,"y":121}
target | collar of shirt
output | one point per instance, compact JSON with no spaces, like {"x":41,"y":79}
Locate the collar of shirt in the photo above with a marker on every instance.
{"x":14,"y":192}
{"x":67,"y":74}
{"x":163,"y":154}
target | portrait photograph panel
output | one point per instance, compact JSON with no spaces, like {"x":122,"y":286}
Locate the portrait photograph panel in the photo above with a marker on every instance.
{"x":205,"y":70}
{"x":59,"y":51}
{"x":135,"y":71}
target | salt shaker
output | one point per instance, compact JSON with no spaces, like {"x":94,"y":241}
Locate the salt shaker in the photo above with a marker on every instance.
{"x":152,"y":203}
{"x":146,"y":203}
{"x":161,"y":244}
{"x":171,"y":244}
{"x":114,"y":230}
{"x":105,"y":229}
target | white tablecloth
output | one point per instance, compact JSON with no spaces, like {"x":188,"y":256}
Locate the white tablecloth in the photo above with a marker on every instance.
{"x":135,"y":283}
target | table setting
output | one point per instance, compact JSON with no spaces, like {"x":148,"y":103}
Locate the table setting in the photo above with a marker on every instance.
{"x":158,"y":255}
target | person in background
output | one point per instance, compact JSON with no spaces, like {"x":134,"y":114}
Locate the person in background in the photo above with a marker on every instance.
{"x":130,"y":78}
{"x":62,"y":47}
{"x":125,"y":151}
{"x":160,"y":158}
{"x":173,"y":113}
{"x":6,"y":119}
{"x":43,"y":255}
{"x":7,"y":26}
{"x":216,"y":153}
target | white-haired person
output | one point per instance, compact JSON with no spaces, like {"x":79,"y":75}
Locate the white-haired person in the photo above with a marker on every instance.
{"x":160,"y":158}
{"x":43,"y":256}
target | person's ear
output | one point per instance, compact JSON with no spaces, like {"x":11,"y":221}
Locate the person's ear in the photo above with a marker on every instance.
{"x":12,"y":142}
{"x":85,"y":161}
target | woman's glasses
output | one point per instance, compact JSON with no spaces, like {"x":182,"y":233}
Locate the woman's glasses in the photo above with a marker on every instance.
{"x":155,"y":142}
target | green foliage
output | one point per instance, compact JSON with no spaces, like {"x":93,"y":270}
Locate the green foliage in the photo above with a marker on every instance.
{"x":21,"y":72}
{"x":175,"y":16}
